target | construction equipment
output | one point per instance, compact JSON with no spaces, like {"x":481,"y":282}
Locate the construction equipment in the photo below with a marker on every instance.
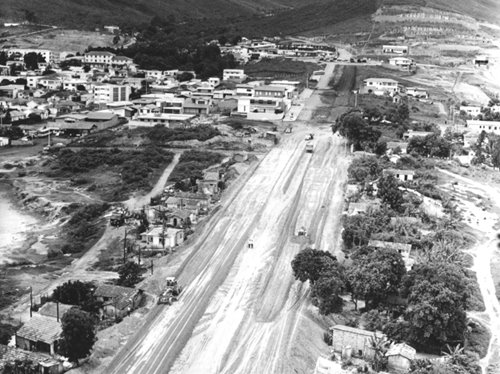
{"x":171,"y":292}
{"x":309,"y":137}
{"x":288,"y":130}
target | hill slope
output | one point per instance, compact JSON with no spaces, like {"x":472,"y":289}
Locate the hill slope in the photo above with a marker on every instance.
{"x":92,"y":13}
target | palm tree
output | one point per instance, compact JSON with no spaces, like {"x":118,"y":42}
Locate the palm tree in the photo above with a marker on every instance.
{"x":454,"y":354}
{"x":380,"y":345}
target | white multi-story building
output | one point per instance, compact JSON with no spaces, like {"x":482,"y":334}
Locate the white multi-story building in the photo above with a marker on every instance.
{"x":403,"y":63}
{"x":108,"y":93}
{"x":99,"y":58}
{"x":236,"y":75}
{"x":48,"y":55}
{"x":380,"y":86}
{"x":477,"y":126}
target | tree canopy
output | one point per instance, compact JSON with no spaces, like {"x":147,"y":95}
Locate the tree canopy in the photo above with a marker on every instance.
{"x":76,"y":293}
{"x":129,"y":274}
{"x":375,"y":276}
{"x":389,"y":192}
{"x":309,"y":264}
{"x":352,"y":126}
{"x":437,"y":296}
{"x":78,"y":334}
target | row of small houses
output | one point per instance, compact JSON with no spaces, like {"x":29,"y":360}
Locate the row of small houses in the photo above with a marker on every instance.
{"x":39,"y":339}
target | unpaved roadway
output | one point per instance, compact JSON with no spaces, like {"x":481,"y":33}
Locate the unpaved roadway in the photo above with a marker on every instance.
{"x":241,"y":310}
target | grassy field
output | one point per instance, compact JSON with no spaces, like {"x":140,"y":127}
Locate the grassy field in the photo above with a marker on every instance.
{"x":63,"y":40}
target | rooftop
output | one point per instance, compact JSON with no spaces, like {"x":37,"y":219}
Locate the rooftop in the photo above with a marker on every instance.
{"x":354,"y":330}
{"x":50,"y":309}
{"x":41,"y":328}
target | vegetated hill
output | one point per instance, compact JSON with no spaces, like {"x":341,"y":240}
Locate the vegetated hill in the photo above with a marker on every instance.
{"x":95,"y":13}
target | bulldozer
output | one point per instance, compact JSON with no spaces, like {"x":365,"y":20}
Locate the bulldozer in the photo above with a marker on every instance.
{"x":171,"y":292}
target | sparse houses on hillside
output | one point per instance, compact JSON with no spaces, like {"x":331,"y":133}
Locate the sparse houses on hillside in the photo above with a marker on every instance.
{"x":470,"y":110}
{"x":402,"y":175}
{"x":396,"y":49}
{"x":403,"y":63}
{"x":380,"y":86}
{"x":358,"y":340}
{"x":479,"y":126}
{"x":399,"y":357}
{"x":40,"y":333}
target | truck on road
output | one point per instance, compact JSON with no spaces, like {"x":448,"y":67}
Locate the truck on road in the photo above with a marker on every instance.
{"x":309,"y":147}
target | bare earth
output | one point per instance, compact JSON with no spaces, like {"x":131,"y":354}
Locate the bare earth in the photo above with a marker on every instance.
{"x":242,"y":311}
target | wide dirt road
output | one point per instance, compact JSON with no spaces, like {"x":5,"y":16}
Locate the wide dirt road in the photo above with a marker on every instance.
{"x":241,"y":310}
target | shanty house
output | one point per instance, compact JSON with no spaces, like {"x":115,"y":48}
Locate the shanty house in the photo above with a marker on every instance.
{"x":54,"y":310}
{"x":358,"y":340}
{"x":179,"y":219}
{"x":117,"y":301}
{"x":41,"y":334}
{"x":399,"y":357}
{"x":43,"y":363}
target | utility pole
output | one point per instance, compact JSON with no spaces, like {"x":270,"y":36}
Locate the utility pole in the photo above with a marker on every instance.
{"x":125,"y":247}
{"x":31,"y":301}
{"x":151,"y":267}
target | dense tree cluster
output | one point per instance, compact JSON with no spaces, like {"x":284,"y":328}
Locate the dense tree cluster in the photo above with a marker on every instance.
{"x":430,"y":146}
{"x":78,"y":334}
{"x":358,"y":132}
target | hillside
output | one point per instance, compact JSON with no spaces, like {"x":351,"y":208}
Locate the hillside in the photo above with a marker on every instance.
{"x":93,"y":13}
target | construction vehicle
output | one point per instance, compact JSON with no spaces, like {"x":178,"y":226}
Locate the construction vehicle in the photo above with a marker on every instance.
{"x":288,"y":130}
{"x":171,"y":292}
{"x":309,"y":147}
{"x":309,"y":137}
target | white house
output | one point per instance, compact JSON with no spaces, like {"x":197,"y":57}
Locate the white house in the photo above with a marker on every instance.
{"x":396,"y":49}
{"x":236,"y":75}
{"x":403,"y":63}
{"x":380,"y":86}
{"x":159,"y":237}
{"x":470,"y":110}
{"x":479,"y":126}
{"x":417,"y":92}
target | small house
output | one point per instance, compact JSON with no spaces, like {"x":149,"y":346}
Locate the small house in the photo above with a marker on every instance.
{"x":399,"y":357}
{"x":357,"y":339}
{"x":173,"y":202}
{"x":209,"y":185}
{"x":417,"y":92}
{"x":412,"y":134}
{"x":402,"y":175}
{"x":160,"y":238}
{"x":40,"y":333}
{"x":363,"y":207}
{"x":179,"y":219}
{"x":43,"y":363}
{"x":117,"y":301}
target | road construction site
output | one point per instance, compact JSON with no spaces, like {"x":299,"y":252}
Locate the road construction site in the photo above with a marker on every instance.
{"x":241,"y":310}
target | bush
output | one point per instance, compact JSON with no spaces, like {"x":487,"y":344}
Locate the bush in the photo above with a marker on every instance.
{"x":162,"y":134}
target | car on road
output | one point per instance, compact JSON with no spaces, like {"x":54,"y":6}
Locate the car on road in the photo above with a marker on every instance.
{"x":309,"y":147}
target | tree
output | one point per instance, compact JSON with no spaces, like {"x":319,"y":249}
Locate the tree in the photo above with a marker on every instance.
{"x":379,"y":345}
{"x":78,"y":334}
{"x":3,"y":58}
{"x":129,"y":274}
{"x":116,"y":39}
{"x":310,"y":263}
{"x":437,"y":296}
{"x":32,"y":59}
{"x":388,"y":191}
{"x":327,"y":290}
{"x":375,"y":276}
{"x":352,"y":126}
{"x":77,"y":293}
{"x":365,"y":169}
{"x":185,"y":76}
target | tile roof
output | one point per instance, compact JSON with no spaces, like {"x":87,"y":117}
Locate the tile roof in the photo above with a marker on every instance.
{"x":354,"y":330}
{"x":12,"y":354}
{"x":41,"y":328}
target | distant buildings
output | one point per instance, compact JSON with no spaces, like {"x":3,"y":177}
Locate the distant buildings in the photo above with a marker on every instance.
{"x":234,"y":75}
{"x":396,"y":49}
{"x":380,"y":86}
{"x":403,"y":63}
